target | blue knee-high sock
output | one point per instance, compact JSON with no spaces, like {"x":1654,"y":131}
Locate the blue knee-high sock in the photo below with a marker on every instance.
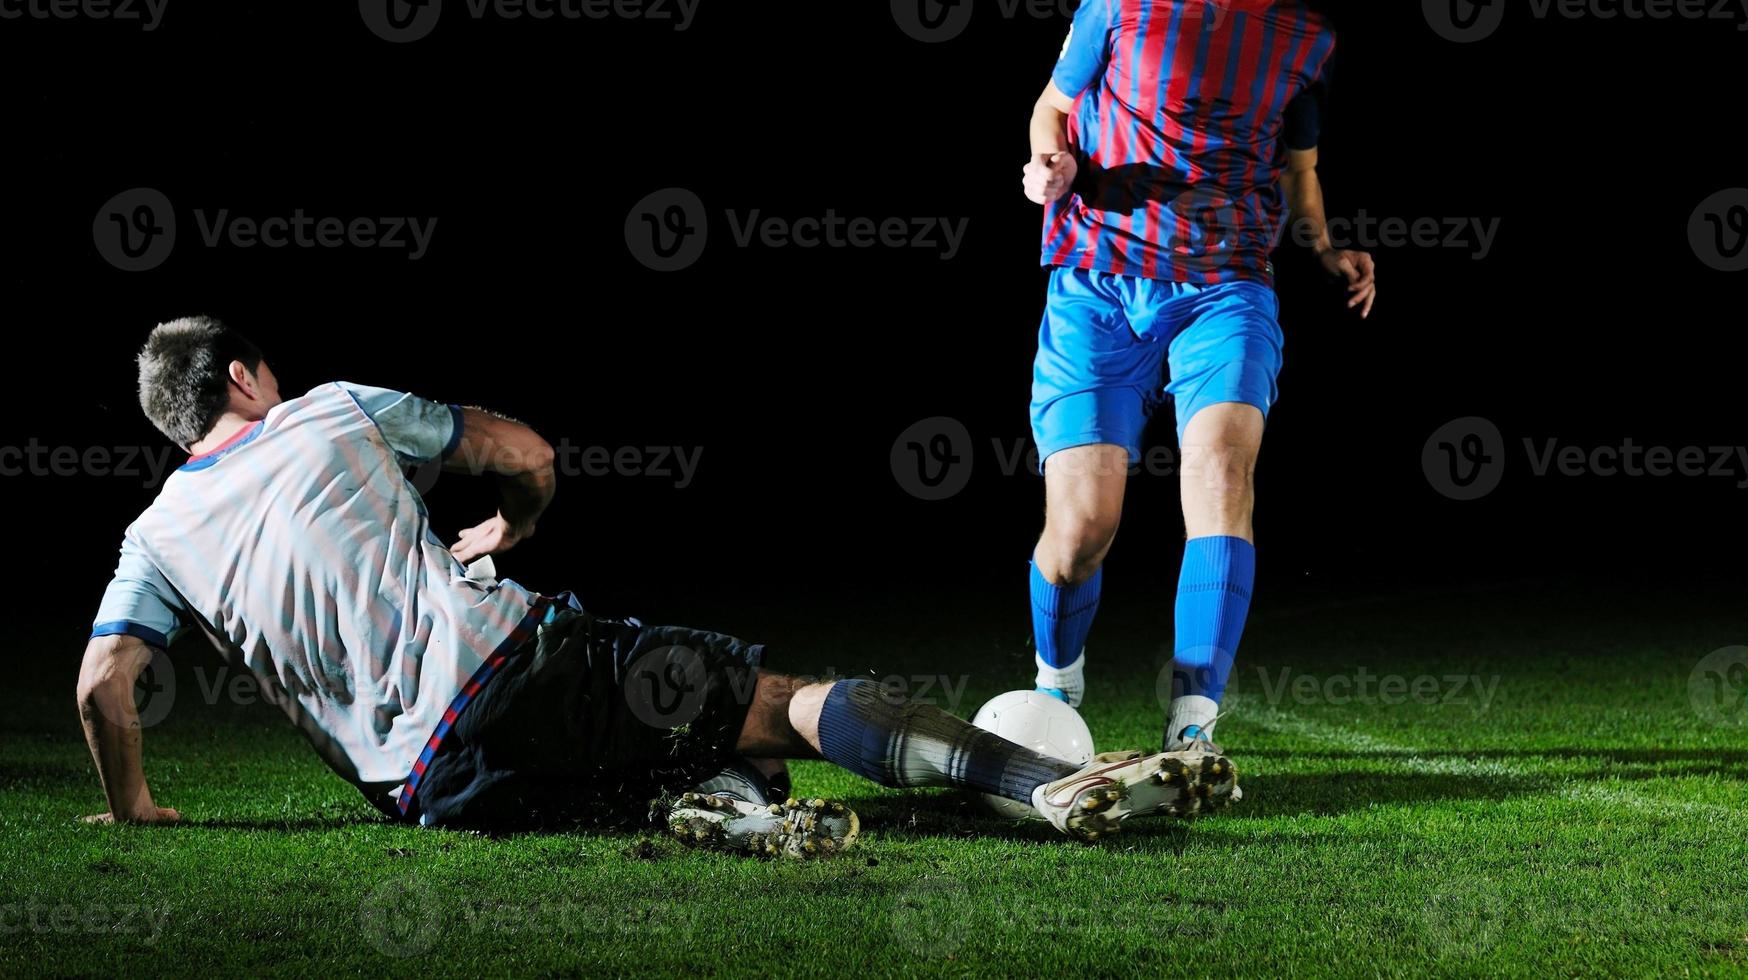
{"x":1062,"y":616}
{"x":1213,"y":598}
{"x":900,"y":743}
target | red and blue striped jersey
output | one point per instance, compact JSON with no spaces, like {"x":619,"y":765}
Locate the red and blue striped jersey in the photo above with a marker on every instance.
{"x":1184,"y":111}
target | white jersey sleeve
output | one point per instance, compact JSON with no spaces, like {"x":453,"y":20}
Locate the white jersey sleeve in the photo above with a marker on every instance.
{"x":140,"y":602}
{"x":417,"y":429}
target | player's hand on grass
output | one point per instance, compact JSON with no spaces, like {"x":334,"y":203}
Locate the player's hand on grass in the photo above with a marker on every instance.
{"x":1360,"y":273}
{"x":494,"y":537}
{"x":1050,"y":177}
{"x":157,"y":814}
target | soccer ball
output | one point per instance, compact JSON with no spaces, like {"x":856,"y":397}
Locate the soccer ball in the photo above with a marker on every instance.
{"x":1041,"y":723}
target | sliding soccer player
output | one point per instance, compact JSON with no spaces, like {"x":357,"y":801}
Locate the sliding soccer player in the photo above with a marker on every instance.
{"x":1172,"y":140}
{"x":293,"y":540}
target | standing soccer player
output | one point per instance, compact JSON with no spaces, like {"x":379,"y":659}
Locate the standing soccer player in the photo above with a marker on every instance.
{"x":1172,"y":140}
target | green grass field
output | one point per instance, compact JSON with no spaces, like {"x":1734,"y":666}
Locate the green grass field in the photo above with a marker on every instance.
{"x":1573,"y":807}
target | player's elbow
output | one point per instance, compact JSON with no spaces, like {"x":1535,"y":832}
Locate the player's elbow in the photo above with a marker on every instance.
{"x":102,"y":671}
{"x":534,"y":455}
{"x":1053,"y":102}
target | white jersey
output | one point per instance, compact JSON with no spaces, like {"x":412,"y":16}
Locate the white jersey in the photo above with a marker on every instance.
{"x":301,"y":546}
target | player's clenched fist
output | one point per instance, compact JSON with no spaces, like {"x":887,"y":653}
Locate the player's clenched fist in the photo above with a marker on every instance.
{"x":1050,"y":177}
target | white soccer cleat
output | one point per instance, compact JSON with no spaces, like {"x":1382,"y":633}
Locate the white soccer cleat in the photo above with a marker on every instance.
{"x":1095,"y":801}
{"x":793,"y":829}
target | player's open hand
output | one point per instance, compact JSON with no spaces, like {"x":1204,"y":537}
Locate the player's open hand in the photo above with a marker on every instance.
{"x":1361,"y":274}
{"x":157,"y":814}
{"x":1050,"y":177}
{"x":494,"y":537}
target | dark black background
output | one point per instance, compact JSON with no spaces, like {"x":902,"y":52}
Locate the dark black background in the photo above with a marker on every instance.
{"x":795,"y":370}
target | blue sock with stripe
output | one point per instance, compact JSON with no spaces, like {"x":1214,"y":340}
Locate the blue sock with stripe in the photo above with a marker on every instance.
{"x":898,"y":743}
{"x":1062,"y":616}
{"x":1213,"y":600}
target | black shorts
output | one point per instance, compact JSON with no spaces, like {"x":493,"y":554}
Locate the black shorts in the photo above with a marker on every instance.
{"x":588,"y":721}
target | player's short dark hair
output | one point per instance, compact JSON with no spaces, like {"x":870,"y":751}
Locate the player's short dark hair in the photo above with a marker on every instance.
{"x":185,"y":375}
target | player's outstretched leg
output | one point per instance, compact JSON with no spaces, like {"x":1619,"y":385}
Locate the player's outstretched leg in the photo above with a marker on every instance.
{"x":1084,"y":502}
{"x":856,"y":725}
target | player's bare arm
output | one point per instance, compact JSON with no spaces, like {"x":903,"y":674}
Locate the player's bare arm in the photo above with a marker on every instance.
{"x":522,"y":462}
{"x":1051,"y":171}
{"x":112,"y":729}
{"x":1304,"y":194}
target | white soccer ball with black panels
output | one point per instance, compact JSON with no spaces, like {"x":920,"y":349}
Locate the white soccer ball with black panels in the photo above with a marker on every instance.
{"x":1041,"y":723}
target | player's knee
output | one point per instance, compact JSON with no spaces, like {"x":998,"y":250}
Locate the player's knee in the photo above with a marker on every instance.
{"x":1220,"y":471}
{"x":1076,"y":546}
{"x":801,"y":708}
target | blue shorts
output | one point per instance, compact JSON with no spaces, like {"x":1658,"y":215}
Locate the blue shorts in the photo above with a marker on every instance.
{"x":1112,"y":348}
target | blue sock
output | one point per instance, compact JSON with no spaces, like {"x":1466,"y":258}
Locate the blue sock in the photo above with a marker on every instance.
{"x":899,"y":743}
{"x":1213,"y":598}
{"x":1062,"y":616}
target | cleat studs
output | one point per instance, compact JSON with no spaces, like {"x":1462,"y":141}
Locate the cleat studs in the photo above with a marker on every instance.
{"x":791,"y":801}
{"x":774,"y":809}
{"x":816,"y":804}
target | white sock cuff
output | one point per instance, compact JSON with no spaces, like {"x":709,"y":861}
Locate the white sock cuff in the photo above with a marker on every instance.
{"x":1047,"y":672}
{"x":1192,"y":709}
